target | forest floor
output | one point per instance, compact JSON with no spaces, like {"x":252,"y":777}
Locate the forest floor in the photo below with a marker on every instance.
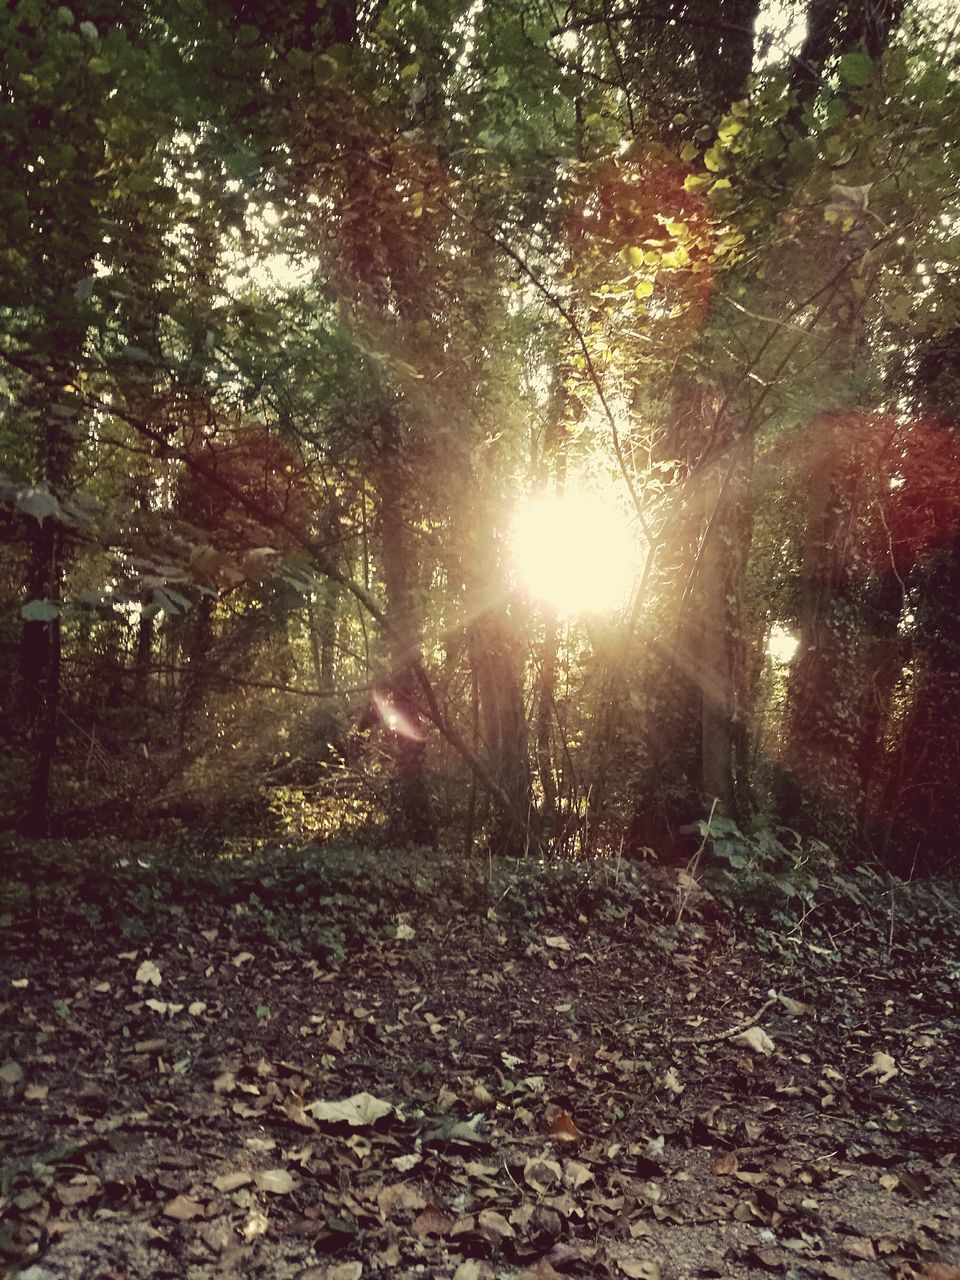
{"x":354,"y":1065}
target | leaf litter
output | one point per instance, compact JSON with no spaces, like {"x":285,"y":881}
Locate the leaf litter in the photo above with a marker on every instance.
{"x":571,"y":1095}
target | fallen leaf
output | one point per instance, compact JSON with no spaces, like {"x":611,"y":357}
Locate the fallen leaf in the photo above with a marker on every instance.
{"x":360,"y":1110}
{"x":638,"y":1270}
{"x":11,"y":1072}
{"x":399,"y":1197}
{"x":242,"y":957}
{"x":231,"y":1181}
{"x":257,"y":1224}
{"x":494,"y":1225}
{"x":277,"y":1181}
{"x":79,"y":1190}
{"x":473,"y":1270}
{"x":541,"y":1174}
{"x":183,"y":1209}
{"x":196,"y":1008}
{"x":576,"y":1175}
{"x":343,"y":1271}
{"x":861,"y":1248}
{"x":558,"y":942}
{"x":431,"y":1222}
{"x":883,"y":1067}
{"x":671,"y":1081}
{"x":149,"y":973}
{"x":725,"y":1165}
{"x":563,"y":1128}
{"x":755,"y":1039}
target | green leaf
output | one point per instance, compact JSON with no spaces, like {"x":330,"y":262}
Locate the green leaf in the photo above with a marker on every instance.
{"x":40,"y":611}
{"x":856,"y":69}
{"x":644,"y":289}
{"x":713,"y":159}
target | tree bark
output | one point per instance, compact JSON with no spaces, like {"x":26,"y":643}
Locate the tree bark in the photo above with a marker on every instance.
{"x":412,"y":819}
{"x":499,"y":677}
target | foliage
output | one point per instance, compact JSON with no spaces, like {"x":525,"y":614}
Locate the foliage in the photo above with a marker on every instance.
{"x":295,"y":310}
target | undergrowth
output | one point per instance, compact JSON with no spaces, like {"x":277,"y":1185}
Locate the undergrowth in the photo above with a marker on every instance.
{"x":329,"y":901}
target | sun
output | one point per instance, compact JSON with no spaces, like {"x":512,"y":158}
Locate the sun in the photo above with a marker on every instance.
{"x":576,"y":552}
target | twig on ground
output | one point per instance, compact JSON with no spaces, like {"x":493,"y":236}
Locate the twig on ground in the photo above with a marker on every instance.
{"x":717,"y":1036}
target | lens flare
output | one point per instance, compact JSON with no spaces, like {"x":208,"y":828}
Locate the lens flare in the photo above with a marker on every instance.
{"x":576,"y":552}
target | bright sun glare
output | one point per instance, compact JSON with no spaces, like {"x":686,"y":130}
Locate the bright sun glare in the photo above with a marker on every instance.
{"x":576,"y":552}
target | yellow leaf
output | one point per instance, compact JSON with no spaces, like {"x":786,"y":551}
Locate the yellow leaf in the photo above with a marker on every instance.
{"x":643,"y":289}
{"x":689,"y":152}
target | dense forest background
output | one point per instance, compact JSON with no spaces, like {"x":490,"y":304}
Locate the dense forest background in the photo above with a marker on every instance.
{"x":302,"y":305}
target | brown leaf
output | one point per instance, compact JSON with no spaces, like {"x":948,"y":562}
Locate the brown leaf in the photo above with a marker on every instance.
{"x":294,"y":1111}
{"x":344,"y":1271}
{"x":182,"y":1208}
{"x":337,"y":1039}
{"x":539,"y":1270}
{"x":231,"y":1181}
{"x":639,"y":1270}
{"x":861,"y":1248}
{"x":80,"y":1189}
{"x":431,"y":1222}
{"x":542,"y":1174}
{"x":563,"y":1129}
{"x":278,"y":1182}
{"x":576,"y":1175}
{"x":725,"y":1165}
{"x":473,"y":1270}
{"x":494,"y":1225}
{"x":399,"y":1197}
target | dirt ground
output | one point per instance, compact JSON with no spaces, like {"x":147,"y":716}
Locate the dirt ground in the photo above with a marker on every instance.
{"x":590,"y":1097}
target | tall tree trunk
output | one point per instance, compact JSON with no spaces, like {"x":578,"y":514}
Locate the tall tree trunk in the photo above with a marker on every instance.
{"x":822,"y":787}
{"x":499,"y":675}
{"x":329,"y":622}
{"x":922,"y":801}
{"x":40,"y":647}
{"x":40,"y":641}
{"x":199,"y":625}
{"x":546,"y":704}
{"x":412,"y":819}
